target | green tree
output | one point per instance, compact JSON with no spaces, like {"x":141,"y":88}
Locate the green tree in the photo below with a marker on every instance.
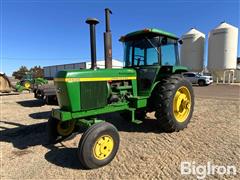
{"x":22,"y":71}
{"x":37,"y":72}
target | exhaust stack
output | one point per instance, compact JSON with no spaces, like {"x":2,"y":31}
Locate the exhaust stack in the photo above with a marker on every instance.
{"x":108,"y":40}
{"x":92,"y":23}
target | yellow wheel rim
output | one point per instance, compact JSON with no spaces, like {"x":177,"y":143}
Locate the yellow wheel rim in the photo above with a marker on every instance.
{"x":65,"y":128}
{"x":27,"y":85}
{"x":103,"y":147}
{"x":182,"y":104}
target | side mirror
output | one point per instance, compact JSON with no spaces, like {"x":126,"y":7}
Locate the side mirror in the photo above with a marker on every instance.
{"x":180,"y":41}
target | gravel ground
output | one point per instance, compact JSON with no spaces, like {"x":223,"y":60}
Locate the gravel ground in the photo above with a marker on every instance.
{"x":144,"y":153}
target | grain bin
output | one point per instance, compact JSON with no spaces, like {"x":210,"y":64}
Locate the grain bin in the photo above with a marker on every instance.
{"x":192,"y":50}
{"x":222,"y":51}
{"x":222,"y":47}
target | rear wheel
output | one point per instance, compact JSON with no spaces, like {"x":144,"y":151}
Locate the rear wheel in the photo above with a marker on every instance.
{"x":59,"y":130}
{"x":26,"y":84}
{"x":98,"y":145}
{"x":174,"y":103}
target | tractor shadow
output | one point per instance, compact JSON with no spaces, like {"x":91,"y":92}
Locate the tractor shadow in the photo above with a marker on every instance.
{"x":23,"y":137}
{"x":148,"y":125}
{"x":31,"y":103}
{"x":64,"y":157}
{"x":40,"y":115}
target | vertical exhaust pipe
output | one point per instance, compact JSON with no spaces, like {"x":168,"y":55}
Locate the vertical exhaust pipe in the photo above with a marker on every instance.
{"x":92,"y":23}
{"x":108,"y":41}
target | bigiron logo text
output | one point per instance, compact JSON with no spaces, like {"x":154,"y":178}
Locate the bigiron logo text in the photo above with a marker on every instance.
{"x":201,"y":171}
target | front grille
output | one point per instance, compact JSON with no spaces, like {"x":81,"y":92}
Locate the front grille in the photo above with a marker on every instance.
{"x":93,"y":95}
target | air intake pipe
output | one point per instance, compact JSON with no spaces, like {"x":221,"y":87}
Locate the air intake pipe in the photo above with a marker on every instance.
{"x":108,"y":41}
{"x":92,"y":23}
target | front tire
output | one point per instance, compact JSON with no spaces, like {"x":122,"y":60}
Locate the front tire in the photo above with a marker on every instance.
{"x":98,"y":145}
{"x":173,"y":103}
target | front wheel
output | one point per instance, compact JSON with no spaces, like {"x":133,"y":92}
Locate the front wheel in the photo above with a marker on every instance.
{"x":174,"y":103}
{"x":59,"y":130}
{"x":98,"y":145}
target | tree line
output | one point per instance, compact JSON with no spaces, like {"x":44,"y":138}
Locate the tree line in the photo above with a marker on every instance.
{"x":36,"y":71}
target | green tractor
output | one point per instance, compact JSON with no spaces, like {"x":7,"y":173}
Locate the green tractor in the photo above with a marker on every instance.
{"x":150,"y":81}
{"x":28,"y":81}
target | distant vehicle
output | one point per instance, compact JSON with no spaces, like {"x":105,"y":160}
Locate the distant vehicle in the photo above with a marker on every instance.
{"x":28,"y":81}
{"x":198,"y":78}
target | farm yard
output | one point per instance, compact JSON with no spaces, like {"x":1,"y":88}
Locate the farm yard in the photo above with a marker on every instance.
{"x":145,"y":152}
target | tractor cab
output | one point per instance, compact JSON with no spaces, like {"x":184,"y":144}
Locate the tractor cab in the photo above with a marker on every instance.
{"x":28,"y":76}
{"x":152,"y":53}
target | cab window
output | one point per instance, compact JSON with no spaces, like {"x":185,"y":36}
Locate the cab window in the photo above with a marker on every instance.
{"x":168,"y":55}
{"x":152,"y":56}
{"x":149,"y":51}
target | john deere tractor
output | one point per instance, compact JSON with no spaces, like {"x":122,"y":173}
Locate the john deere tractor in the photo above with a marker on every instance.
{"x":28,"y":81}
{"x":150,"y":81}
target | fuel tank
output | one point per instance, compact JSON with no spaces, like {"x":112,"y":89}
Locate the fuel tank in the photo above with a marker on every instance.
{"x":79,"y":90}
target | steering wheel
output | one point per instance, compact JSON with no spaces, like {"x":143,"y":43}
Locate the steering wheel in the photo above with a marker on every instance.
{"x":138,"y":58}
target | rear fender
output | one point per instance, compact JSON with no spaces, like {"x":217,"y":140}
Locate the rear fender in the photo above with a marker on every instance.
{"x":153,"y":87}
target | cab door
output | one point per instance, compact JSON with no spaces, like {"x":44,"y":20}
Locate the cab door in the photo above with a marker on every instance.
{"x":146,"y":63}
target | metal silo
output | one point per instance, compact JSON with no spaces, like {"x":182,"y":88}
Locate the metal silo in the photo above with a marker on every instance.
{"x":192,"y":50}
{"x":222,"y":51}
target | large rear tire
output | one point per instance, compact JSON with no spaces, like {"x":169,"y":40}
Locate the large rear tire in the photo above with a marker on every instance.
{"x":173,"y":101}
{"x":98,"y":145}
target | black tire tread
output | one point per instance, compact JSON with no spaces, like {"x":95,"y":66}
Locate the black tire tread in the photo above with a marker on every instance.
{"x":162,"y":97}
{"x":84,"y":138}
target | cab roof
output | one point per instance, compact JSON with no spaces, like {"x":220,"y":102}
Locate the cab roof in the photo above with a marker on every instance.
{"x":147,"y":31}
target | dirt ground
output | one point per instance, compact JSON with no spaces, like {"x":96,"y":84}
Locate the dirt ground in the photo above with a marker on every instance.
{"x":145,"y":153}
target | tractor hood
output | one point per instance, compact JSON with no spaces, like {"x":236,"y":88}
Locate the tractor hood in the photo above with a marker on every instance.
{"x":87,"y":89}
{"x":94,"y":75}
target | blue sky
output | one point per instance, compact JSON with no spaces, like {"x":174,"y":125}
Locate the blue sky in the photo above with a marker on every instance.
{"x":54,"y":32}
